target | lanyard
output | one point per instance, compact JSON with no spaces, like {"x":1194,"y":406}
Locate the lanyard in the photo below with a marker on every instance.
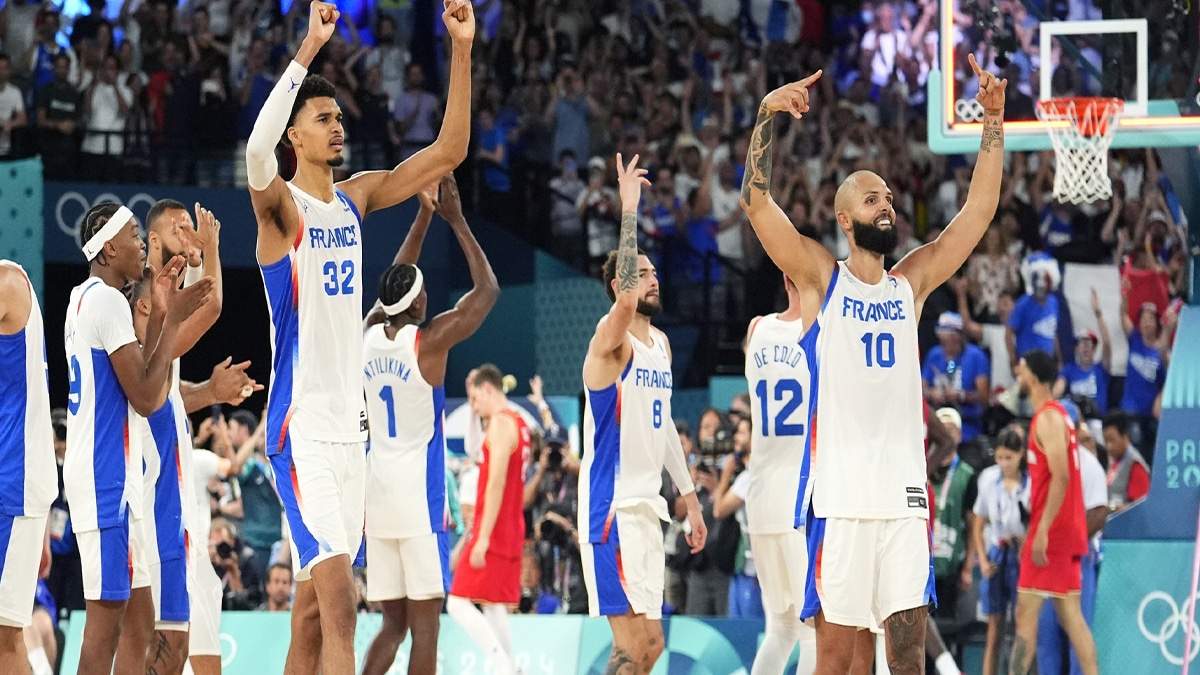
{"x":946,"y":485}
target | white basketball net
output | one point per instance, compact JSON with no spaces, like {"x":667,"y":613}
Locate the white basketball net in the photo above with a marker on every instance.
{"x":1081,"y":174}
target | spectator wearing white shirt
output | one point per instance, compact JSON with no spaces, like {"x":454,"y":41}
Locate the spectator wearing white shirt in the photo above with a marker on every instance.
{"x":882,"y":44}
{"x":12,"y":107}
{"x":106,"y":105}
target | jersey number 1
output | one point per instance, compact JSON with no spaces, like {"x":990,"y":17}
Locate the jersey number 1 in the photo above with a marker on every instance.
{"x":794,"y":392}
{"x":390,"y":400}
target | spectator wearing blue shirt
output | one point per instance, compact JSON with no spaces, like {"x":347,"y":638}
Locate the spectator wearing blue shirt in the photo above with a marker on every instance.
{"x":1149,"y":354}
{"x":1087,"y":377}
{"x":1033,"y":323}
{"x":492,"y":151}
{"x":957,"y":373}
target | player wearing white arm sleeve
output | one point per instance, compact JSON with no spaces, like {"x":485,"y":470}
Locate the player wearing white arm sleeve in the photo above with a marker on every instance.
{"x":868,"y":523}
{"x":629,"y":438}
{"x":310,"y":252}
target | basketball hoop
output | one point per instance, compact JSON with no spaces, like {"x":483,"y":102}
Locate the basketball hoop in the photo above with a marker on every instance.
{"x":1081,"y":144}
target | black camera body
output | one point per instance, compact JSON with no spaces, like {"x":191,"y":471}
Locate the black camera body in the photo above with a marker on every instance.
{"x":224,"y":551}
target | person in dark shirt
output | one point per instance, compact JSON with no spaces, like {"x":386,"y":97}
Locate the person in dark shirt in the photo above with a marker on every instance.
{"x":372,"y":144}
{"x":58,"y":120}
{"x":239,"y":569}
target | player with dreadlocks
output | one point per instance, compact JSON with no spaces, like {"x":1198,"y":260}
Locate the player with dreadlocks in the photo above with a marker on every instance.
{"x":403,"y":374}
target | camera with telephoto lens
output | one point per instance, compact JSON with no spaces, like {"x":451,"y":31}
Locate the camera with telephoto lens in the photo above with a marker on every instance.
{"x":720,"y":444}
{"x":224,"y":551}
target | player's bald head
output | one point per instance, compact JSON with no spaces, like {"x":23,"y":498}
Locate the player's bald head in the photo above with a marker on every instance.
{"x":854,"y":185}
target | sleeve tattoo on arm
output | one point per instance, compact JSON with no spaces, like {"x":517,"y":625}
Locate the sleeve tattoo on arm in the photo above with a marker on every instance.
{"x":758,"y":162}
{"x":627,"y":254}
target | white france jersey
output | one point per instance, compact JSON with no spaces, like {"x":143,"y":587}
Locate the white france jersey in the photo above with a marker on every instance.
{"x":102,"y":471}
{"x":870,"y":445}
{"x":406,"y":457}
{"x":780,"y":359}
{"x":626,"y":437}
{"x":314,"y":295}
{"x":29,"y":481}
{"x":168,"y":508}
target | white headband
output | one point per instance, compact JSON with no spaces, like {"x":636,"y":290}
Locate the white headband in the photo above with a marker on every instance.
{"x":406,"y":301}
{"x":114,"y":225}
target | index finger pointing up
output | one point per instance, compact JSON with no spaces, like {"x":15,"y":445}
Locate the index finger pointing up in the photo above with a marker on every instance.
{"x":974,"y":64}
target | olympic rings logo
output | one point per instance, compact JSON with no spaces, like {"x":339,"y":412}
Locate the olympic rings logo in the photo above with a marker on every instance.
{"x":72,"y":206}
{"x":1176,"y":618}
{"x":968,"y":110}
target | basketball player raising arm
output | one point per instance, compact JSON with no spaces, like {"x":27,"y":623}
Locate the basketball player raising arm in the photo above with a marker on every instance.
{"x":869,"y":481}
{"x":310,"y":252}
{"x":627,"y":375}
{"x":407,"y":545}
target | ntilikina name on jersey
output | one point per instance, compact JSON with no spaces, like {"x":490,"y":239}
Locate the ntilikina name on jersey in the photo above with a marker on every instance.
{"x":888,"y":310}
{"x":387,"y":366}
{"x":655,"y":379}
{"x":333,"y":237}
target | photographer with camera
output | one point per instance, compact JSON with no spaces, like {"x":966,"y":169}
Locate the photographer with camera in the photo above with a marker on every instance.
{"x":729,"y":506}
{"x":708,"y":574}
{"x":551,"y":497}
{"x":237,"y":565}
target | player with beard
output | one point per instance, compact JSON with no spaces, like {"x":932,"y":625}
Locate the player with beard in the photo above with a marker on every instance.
{"x":629,"y":438}
{"x":310,"y":253}
{"x":868,"y":522}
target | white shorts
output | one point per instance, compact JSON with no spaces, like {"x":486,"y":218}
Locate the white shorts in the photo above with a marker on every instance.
{"x":867,"y":570}
{"x":781,"y":562}
{"x":204,"y":592}
{"x":21,"y":539}
{"x":627,"y":571}
{"x":113,"y":561}
{"x":323,"y":487}
{"x":417,"y":568}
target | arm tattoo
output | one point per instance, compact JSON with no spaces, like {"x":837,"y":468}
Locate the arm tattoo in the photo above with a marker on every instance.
{"x":627,"y":278}
{"x":758,"y":160}
{"x":620,"y":663}
{"x":993,"y":134}
{"x":905,"y":633}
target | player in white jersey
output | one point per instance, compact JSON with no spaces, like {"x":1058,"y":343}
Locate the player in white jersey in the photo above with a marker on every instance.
{"x":628,"y":439}
{"x":780,"y":363}
{"x":868,"y":524}
{"x":29,"y":483}
{"x":309,"y":249}
{"x":404,"y":369}
{"x":111,"y":377}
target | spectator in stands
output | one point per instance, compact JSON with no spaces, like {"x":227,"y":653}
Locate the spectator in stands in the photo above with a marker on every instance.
{"x":18,"y":20}
{"x":599,"y":205}
{"x":174,"y":95}
{"x":415,"y":114}
{"x":261,"y":511}
{"x":991,"y":271}
{"x":12,"y":108}
{"x":571,"y":114}
{"x":566,"y":226}
{"x":106,"y":105}
{"x":1128,"y":472}
{"x":1149,"y":354}
{"x":882,"y":45}
{"x":373,"y":134}
{"x":390,"y":56}
{"x":279,"y":589}
{"x":240,"y":570}
{"x":954,"y":492}
{"x":491,"y":150}
{"x":1033,"y":323}
{"x":958,"y":374}
{"x":1087,"y":377}
{"x":40,"y":58}
{"x":214,"y":134}
{"x":729,"y":506}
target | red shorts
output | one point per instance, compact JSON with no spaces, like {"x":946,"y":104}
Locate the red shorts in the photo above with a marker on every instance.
{"x":1062,"y":575}
{"x":498,"y":582}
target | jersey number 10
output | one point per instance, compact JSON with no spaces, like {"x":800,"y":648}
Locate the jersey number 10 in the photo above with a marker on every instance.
{"x":884,"y":348}
{"x":794,"y":395}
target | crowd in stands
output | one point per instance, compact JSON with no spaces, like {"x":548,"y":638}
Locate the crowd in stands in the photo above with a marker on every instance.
{"x":168,"y":93}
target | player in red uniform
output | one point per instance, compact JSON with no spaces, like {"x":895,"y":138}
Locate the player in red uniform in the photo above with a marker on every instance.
{"x":489,"y":569}
{"x":1058,"y":539}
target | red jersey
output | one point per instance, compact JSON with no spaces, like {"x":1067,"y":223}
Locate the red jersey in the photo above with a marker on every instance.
{"x":1068,"y":532}
{"x":508,"y":534}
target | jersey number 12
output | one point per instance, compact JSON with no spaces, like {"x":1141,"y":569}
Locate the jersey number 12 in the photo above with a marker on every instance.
{"x":792,"y":395}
